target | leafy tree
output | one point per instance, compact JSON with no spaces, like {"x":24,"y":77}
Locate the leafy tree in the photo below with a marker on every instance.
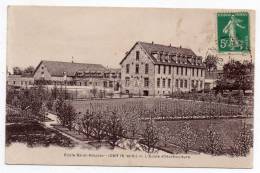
{"x":236,"y":75}
{"x":211,"y":62}
{"x":17,"y":71}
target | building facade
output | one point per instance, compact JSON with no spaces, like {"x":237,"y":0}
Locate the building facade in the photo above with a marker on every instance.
{"x":77,"y":74}
{"x":150,"y":69}
{"x":22,"y":81}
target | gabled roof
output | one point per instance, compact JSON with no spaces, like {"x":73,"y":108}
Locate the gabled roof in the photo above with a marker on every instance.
{"x":151,"y":48}
{"x":57,"y":68}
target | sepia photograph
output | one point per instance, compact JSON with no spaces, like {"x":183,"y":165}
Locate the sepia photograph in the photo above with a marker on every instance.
{"x":159,"y":87}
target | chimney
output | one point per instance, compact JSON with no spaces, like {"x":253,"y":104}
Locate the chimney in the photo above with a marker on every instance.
{"x":170,"y":45}
{"x":180,"y":47}
{"x":152,"y":42}
{"x":72,"y":59}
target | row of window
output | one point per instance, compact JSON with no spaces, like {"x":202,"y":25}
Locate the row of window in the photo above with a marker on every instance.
{"x":179,"y":83}
{"x":137,"y":83}
{"x":137,"y":68}
{"x":22,"y":83}
{"x":181,"y":70}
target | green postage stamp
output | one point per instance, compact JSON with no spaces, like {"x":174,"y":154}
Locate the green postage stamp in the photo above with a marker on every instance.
{"x":233,"y":31}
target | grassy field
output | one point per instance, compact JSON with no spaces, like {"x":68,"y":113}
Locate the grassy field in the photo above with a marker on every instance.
{"x":165,"y":108}
{"x":202,"y":121}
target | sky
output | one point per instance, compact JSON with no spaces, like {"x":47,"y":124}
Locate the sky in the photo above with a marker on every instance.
{"x":101,"y":35}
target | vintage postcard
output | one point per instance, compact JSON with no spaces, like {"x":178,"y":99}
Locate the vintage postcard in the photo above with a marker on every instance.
{"x":130,"y":86}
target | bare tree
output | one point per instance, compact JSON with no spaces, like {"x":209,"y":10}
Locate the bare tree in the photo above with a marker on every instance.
{"x":150,"y":137}
{"x":99,"y":125}
{"x":87,"y":123}
{"x":186,"y":137}
{"x":212,"y":142}
{"x":164,"y":135}
{"x":244,"y":140}
{"x":115,"y":128}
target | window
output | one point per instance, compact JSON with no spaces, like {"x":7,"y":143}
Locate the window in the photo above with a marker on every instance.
{"x":192,"y":83}
{"x":105,"y":84}
{"x":159,"y":69}
{"x":107,"y":74}
{"x":127,"y":68}
{"x":146,"y":70}
{"x":163,"y":83}
{"x":192,"y":71}
{"x":137,"y":55}
{"x":170,"y":69}
{"x":127,"y":81}
{"x":197,"y":83}
{"x":181,"y":70}
{"x":177,"y":83}
{"x":137,"y":69}
{"x":177,"y":70}
{"x":146,"y":82}
{"x":86,"y":83}
{"x":21,"y":82}
{"x":169,"y":83}
{"x":181,"y":83}
{"x":79,"y":83}
{"x":197,"y":72}
{"x":14,"y":82}
{"x":186,"y":71}
{"x":42,"y":72}
{"x":164,"y":69}
{"x":185,"y":84}
{"x":42,"y":67}
{"x":110,"y":84}
{"x":201,"y":72}
{"x":158,"y":82}
{"x":201,"y":84}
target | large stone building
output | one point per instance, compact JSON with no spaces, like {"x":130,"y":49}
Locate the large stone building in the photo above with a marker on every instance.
{"x":154,"y":69}
{"x":77,"y":74}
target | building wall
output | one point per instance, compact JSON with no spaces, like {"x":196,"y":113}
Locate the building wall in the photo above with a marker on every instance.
{"x":18,"y":80}
{"x":136,"y":81}
{"x":153,"y":76}
{"x":42,"y":72}
{"x":174,"y":76}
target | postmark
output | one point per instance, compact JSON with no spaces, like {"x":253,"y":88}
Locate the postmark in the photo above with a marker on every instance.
{"x":233,"y":32}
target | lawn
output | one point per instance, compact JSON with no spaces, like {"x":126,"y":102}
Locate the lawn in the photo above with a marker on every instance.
{"x":35,"y":134}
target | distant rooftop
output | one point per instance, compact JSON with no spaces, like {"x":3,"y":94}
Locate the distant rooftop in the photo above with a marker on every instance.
{"x":57,"y":68}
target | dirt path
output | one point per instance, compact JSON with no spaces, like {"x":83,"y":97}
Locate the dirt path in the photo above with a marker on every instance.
{"x":54,"y":119}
